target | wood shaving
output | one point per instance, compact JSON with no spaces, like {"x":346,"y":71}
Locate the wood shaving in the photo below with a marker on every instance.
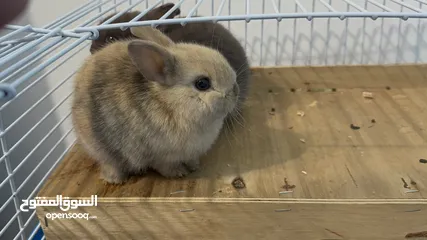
{"x":285,"y":192}
{"x":187,"y":210}
{"x":411,"y":191}
{"x":300,"y":113}
{"x":304,"y":172}
{"x":398,"y":96}
{"x":302,"y":140}
{"x":368,"y":95}
{"x":282,"y":210}
{"x":313,"y":104}
{"x":176,"y":192}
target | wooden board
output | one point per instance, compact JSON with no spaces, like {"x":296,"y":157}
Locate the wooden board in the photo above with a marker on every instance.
{"x":239,"y":219}
{"x":319,"y":154}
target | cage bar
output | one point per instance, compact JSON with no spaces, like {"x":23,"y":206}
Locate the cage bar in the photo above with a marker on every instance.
{"x":41,"y":141}
{"x":33,"y":83}
{"x":221,"y":6}
{"x":28,"y":47}
{"x":16,"y":41}
{"x":42,"y":161}
{"x":359,"y":8}
{"x":41,"y":66}
{"x":30,"y":59}
{"x":39,"y":122}
{"x":135,"y":19}
{"x":194,"y":9}
{"x":34,"y":232}
{"x":18,"y":31}
{"x":329,"y":7}
{"x":101,"y":14}
{"x":43,"y":31}
{"x":12,"y":184}
{"x":13,"y":218}
{"x":256,"y":17}
{"x":176,"y":6}
{"x":58,"y":22}
{"x":408,"y":6}
{"x":25,"y":225}
{"x":50,"y":170}
{"x":40,"y":183}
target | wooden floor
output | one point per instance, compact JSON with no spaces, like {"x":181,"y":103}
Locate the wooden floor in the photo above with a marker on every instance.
{"x":319,"y":153}
{"x":297,"y":138}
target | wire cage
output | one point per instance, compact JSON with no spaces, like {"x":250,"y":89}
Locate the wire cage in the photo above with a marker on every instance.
{"x":38,"y":63}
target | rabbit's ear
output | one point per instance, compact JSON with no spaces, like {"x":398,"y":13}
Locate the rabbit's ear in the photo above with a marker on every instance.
{"x":151,"y":34}
{"x":153,"y":61}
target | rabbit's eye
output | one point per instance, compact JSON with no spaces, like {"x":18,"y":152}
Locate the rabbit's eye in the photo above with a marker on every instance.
{"x":202,"y":84}
{"x":110,"y":38}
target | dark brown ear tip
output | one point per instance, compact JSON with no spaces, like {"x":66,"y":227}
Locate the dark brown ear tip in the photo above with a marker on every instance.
{"x":177,"y":11}
{"x":168,"y":5}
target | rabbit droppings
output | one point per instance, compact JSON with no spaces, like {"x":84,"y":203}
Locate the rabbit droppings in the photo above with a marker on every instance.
{"x":111,"y":35}
{"x":151,"y":103}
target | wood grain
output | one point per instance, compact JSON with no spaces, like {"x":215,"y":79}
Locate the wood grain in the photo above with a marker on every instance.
{"x":239,"y":219}
{"x":319,"y":153}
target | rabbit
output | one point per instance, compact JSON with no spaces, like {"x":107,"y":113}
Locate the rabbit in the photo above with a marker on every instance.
{"x":151,"y":103}
{"x":111,"y":35}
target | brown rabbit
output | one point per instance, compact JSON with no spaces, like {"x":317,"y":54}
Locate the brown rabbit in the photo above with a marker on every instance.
{"x":151,"y":103}
{"x":111,"y":35}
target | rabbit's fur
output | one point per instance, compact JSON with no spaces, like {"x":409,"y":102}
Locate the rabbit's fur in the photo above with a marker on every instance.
{"x":135,"y":105}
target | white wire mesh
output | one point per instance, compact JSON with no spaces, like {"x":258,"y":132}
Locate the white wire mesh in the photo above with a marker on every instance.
{"x":38,"y":63}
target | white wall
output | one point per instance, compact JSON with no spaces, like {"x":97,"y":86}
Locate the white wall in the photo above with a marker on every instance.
{"x":290,"y":42}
